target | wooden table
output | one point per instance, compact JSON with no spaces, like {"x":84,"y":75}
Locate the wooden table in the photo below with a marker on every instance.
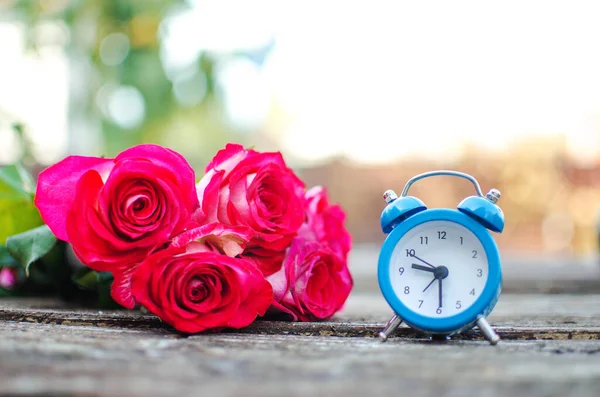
{"x":550,"y":347}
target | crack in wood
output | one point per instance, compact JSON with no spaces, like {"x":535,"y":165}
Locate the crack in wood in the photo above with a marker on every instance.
{"x":136,"y":320}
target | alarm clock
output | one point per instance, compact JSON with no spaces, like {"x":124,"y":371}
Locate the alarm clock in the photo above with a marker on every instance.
{"x":439,"y":269}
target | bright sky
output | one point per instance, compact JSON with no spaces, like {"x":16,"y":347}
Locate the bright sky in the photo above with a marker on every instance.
{"x":381,"y":80}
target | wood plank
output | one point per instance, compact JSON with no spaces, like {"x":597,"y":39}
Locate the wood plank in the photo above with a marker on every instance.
{"x":550,"y":347}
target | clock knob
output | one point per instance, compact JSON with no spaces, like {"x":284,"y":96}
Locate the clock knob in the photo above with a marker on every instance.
{"x":389,"y":196}
{"x":398,"y":209}
{"x":484,"y":210}
{"x":493,"y":195}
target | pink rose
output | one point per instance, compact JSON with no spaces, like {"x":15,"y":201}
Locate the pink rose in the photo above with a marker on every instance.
{"x":325,"y":222}
{"x":197,"y":284}
{"x":247,"y":188}
{"x":313,"y":283}
{"x":115,"y":212}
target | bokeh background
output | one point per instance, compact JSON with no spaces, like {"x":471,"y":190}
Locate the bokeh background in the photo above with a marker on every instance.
{"x":358,"y":96}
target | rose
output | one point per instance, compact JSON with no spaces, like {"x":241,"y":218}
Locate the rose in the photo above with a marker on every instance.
{"x":325,"y":222}
{"x":115,"y":212}
{"x":247,"y":188}
{"x":269,"y":261}
{"x":313,"y":283}
{"x":197,"y":284}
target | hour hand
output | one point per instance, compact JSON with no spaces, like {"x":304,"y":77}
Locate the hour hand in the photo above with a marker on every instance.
{"x":425,"y":268}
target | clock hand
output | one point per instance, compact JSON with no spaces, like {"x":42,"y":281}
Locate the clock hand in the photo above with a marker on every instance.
{"x":427,"y":263}
{"x":440,"y":291}
{"x":428,"y":285}
{"x":425,"y":268}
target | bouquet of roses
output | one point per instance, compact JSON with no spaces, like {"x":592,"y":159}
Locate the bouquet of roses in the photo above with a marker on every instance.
{"x":247,"y":239}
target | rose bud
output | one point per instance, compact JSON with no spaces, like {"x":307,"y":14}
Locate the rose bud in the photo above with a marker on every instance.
{"x":115,"y":212}
{"x":9,"y":277}
{"x":313,"y":283}
{"x":247,"y":188}
{"x":197,"y":284}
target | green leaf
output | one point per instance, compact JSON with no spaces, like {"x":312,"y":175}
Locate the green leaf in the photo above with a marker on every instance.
{"x":91,"y":279}
{"x":105,"y":278}
{"x":17,"y":211}
{"x":86,"y":278}
{"x":16,"y":182}
{"x":31,"y":245}
{"x":99,"y":283}
{"x":6,"y":260}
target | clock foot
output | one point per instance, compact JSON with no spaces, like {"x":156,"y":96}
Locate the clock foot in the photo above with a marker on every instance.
{"x":488,"y":331}
{"x":439,"y":337}
{"x":390,"y":326}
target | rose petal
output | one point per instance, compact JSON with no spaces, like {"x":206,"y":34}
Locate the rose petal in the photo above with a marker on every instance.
{"x":87,"y":233}
{"x":227,"y":158}
{"x":325,"y":222}
{"x":268,"y":261}
{"x":280,"y":284}
{"x":208,"y":194}
{"x":229,"y":240}
{"x":259,"y":296}
{"x":56,"y":189}
{"x":120,"y":290}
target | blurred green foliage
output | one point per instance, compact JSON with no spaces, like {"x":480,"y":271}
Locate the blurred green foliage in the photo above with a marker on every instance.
{"x":113,"y":47}
{"x":17,"y":212}
{"x":196,"y":130}
{"x":39,"y":264}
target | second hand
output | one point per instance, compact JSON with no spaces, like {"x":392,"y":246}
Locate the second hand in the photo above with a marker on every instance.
{"x":429,"y":285}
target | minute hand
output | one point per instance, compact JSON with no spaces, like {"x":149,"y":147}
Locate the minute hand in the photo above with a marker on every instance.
{"x":427,"y":263}
{"x":440,"y":291}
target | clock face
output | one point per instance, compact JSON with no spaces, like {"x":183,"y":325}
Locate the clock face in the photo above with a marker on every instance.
{"x":434,"y":257}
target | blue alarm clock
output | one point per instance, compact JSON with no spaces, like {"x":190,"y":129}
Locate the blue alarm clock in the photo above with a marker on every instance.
{"x":439,"y":269}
